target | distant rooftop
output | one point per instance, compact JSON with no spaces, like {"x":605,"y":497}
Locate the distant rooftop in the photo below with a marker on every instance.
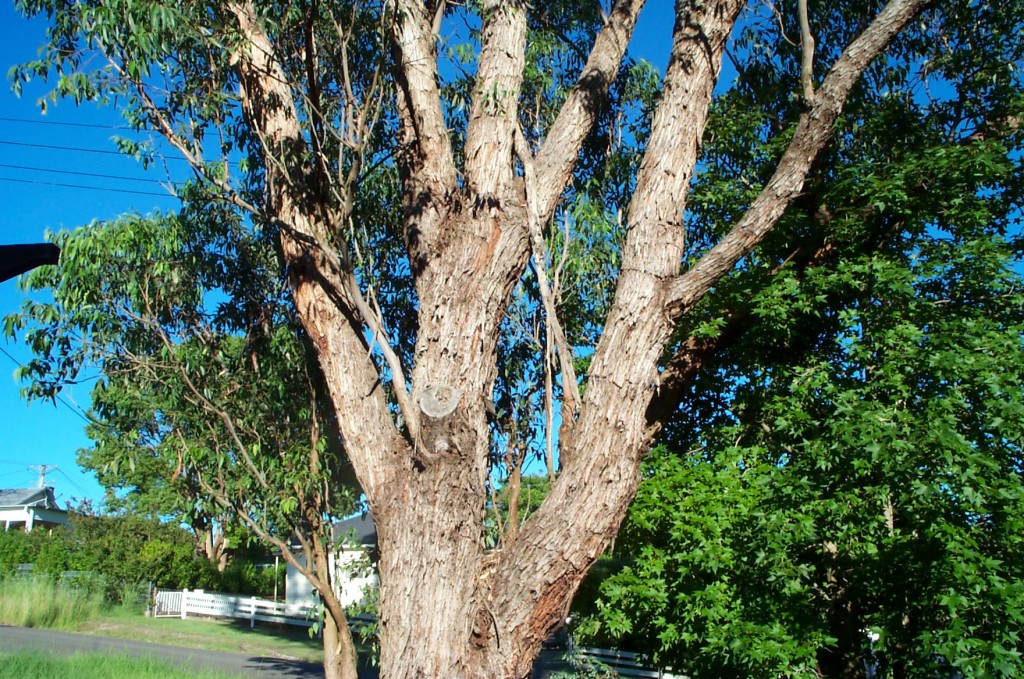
{"x":29,"y":497}
{"x":362,"y":527}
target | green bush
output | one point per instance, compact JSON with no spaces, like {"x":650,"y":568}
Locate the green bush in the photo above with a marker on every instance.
{"x":246,"y":576}
{"x":18,"y":548}
{"x":270,"y":576}
{"x":127,"y":552}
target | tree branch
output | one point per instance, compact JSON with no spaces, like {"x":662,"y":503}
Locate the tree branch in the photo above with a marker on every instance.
{"x":494,"y":112}
{"x":694,"y":352}
{"x":195,"y":161}
{"x":813,"y":132}
{"x":428,"y":158}
{"x":553,"y":327}
{"x":806,"y":53}
{"x":560,"y":151}
{"x":327,"y":304}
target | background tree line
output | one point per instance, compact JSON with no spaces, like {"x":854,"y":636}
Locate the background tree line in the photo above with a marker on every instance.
{"x":122,"y":554}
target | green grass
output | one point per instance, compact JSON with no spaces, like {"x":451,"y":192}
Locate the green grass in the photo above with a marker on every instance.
{"x":39,"y":602}
{"x":37,"y":665}
{"x":212,"y":634}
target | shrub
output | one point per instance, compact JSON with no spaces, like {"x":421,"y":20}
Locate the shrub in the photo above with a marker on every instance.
{"x":17,"y":548}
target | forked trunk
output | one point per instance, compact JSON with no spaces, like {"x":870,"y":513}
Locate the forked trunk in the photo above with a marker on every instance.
{"x":448,"y":607}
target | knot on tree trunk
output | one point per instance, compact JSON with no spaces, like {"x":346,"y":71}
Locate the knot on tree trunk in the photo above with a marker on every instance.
{"x":437,"y":403}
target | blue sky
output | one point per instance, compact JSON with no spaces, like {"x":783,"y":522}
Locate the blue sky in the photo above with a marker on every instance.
{"x":38,"y":153}
{"x":61,"y":170}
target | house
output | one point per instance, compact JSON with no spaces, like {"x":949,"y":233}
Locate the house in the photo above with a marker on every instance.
{"x":351,"y":562}
{"x":28,"y":508}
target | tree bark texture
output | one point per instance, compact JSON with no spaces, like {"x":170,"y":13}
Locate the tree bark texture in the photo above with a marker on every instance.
{"x":448,"y":607}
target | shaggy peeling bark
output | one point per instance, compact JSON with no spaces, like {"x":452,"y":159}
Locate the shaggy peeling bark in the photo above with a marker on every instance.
{"x":448,"y":608}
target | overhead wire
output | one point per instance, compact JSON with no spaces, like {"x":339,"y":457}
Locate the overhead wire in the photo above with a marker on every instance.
{"x":60,"y":123}
{"x":89,"y":188}
{"x":95,"y":175}
{"x":57,"y":397}
{"x":71,"y":480}
{"x":76,"y":149}
{"x":77,"y":173}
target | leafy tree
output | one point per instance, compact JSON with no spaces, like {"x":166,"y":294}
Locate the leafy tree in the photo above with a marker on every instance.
{"x":875,"y":488}
{"x":17,"y":548}
{"x":415,"y":191}
{"x":207,"y":401}
{"x":855,"y":422}
{"x":128,"y":550}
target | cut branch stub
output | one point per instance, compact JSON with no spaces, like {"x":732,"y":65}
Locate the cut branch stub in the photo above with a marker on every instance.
{"x":438,"y":401}
{"x":437,"y":434}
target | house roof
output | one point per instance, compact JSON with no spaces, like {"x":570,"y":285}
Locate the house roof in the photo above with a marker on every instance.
{"x":361,"y":527}
{"x":29,"y":497}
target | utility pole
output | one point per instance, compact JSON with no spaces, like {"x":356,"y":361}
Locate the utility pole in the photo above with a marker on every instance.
{"x":43,"y":468}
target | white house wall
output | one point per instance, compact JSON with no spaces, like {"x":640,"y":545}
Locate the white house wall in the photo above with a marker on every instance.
{"x":353,"y":578}
{"x":28,"y":516}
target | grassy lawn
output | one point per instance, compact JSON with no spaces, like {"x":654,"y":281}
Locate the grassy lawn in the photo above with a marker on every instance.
{"x":36,"y":665}
{"x":285,"y":642}
{"x":46,"y":604}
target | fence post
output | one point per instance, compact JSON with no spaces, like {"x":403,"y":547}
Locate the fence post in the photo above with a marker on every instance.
{"x":184,"y":603}
{"x":252,"y":612}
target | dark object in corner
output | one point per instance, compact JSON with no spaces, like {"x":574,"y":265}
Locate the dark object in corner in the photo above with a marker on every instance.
{"x":17,"y":259}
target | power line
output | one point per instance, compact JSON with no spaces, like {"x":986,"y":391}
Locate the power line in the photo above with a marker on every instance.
{"x":81,"y":174}
{"x":88,"y":188}
{"x":53,"y":147}
{"x":63,"y":124}
{"x":71,"y":481}
{"x":106,"y":152}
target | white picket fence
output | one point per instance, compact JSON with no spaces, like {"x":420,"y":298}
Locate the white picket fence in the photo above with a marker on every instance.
{"x":175,"y":603}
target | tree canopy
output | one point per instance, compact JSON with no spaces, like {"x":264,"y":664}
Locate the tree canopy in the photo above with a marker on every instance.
{"x":863,"y":500}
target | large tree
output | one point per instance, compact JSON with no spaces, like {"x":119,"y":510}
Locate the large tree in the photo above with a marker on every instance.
{"x":326,"y":103}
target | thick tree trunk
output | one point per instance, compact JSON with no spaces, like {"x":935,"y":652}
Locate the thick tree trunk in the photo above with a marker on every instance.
{"x":448,"y":607}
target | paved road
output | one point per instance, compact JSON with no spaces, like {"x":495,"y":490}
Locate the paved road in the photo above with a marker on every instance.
{"x":23,"y":638}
